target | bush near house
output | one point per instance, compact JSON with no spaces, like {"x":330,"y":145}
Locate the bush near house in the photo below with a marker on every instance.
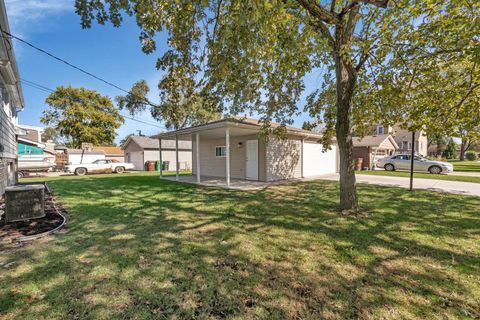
{"x":471,"y":155}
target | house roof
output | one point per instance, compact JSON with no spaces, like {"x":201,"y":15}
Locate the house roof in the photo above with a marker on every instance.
{"x":237,"y":122}
{"x":29,"y":127}
{"x":80,"y":151}
{"x":110,"y":151}
{"x":31,"y":143}
{"x":8,"y":67}
{"x":382,"y":140}
{"x":152,"y":143}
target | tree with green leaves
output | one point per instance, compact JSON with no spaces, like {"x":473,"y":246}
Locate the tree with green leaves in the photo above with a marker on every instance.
{"x":181,"y":105}
{"x":82,"y":115}
{"x":124,"y":139}
{"x":50,"y":134}
{"x":451,"y":151}
{"x":254,"y":55}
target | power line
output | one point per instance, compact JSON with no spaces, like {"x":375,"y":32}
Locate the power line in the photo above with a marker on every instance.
{"x":49,"y":90}
{"x":74,"y":66}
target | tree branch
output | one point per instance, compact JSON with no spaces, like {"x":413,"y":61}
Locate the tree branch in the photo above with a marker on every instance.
{"x":332,"y":6}
{"x":320,"y":26}
{"x":355,"y":3}
{"x":362,"y":61}
{"x":319,"y":12}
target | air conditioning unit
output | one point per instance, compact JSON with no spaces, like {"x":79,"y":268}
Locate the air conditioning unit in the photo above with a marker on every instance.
{"x":24,"y":202}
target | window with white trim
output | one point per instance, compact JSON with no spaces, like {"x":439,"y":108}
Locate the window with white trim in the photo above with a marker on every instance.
{"x":380,"y":130}
{"x":221,"y":151}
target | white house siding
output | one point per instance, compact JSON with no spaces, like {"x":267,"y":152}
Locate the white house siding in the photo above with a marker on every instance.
{"x":211,"y":165}
{"x":8,"y":151}
{"x":283,"y":159}
{"x":184,"y":158}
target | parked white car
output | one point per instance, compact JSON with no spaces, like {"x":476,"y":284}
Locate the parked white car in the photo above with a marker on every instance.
{"x":99,"y":166}
{"x":402,"y":162}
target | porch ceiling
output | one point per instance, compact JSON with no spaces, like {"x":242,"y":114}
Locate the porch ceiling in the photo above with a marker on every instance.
{"x":219,"y":133}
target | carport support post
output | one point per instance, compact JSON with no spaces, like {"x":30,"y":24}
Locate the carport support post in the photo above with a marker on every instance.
{"x":176,"y":159}
{"x":227,"y":155}
{"x":197,"y":155}
{"x":302,"y":157}
{"x":411,"y":160}
{"x":160,"y":167}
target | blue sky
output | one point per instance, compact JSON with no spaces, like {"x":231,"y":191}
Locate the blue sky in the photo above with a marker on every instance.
{"x":111,"y":53}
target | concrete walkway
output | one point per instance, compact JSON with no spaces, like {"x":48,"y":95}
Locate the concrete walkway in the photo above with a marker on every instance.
{"x":465,"y":173}
{"x":466,"y":188}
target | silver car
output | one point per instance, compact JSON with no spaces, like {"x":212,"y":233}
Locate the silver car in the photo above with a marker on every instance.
{"x":402,"y":162}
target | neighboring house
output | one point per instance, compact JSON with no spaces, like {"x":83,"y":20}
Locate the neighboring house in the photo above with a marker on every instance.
{"x":371,"y":148}
{"x":34,"y":133}
{"x":112,"y":153}
{"x":31,"y":148}
{"x":66,"y":156}
{"x":11,"y":101}
{"x":78,"y":156}
{"x":434,"y":151}
{"x":140,"y":149}
{"x":232,"y":148}
{"x":403,"y":138}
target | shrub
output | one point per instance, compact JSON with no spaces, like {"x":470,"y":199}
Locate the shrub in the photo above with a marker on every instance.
{"x":471,"y":155}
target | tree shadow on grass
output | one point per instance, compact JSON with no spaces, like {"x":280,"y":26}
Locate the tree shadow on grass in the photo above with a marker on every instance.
{"x":138,"y":247}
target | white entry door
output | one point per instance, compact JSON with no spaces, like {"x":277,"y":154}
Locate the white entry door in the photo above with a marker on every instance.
{"x":251,"y":157}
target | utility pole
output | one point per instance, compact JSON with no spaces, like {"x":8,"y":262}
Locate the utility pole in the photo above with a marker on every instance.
{"x":411,"y":160}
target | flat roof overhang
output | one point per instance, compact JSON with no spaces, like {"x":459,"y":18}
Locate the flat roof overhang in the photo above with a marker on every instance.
{"x":216,"y":130}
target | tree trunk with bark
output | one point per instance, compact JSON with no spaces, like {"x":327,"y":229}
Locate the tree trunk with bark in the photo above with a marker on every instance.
{"x":346,"y":80}
{"x":464,"y":145}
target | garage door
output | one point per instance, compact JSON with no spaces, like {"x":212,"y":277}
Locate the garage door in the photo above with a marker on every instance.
{"x":136,"y":158}
{"x":316,"y":162}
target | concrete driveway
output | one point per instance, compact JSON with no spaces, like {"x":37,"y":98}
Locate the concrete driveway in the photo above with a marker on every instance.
{"x":466,"y":188}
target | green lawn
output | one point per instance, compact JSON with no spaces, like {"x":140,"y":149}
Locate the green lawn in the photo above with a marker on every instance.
{"x":421,"y":175}
{"x":141,"y":248}
{"x":471,"y":166}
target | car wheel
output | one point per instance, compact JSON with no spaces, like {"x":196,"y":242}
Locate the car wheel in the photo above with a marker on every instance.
{"x":435,"y":170}
{"x":20,"y":174}
{"x":80,"y":171}
{"x":119,"y":170}
{"x":389,"y":167}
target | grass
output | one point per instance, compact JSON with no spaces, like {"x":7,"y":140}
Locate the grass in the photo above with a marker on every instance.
{"x":469,"y":166}
{"x":421,"y":175}
{"x":142,"y":248}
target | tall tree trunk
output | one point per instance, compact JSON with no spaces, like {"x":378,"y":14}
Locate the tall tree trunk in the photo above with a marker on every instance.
{"x":463,"y":149}
{"x":345,"y":88}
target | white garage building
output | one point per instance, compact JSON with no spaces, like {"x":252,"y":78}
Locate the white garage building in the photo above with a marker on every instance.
{"x":140,"y":149}
{"x":231,"y":148}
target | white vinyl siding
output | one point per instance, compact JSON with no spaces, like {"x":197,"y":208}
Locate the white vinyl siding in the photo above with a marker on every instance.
{"x":284,"y":159}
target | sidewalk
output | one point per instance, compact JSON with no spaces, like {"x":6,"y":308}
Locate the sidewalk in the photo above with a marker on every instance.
{"x":465,"y":173}
{"x":456,"y":187}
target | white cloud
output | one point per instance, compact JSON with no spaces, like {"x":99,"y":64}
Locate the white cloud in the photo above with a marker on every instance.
{"x":25,"y":16}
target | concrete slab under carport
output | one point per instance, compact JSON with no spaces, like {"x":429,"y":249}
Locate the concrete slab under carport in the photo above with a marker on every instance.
{"x":237,"y":184}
